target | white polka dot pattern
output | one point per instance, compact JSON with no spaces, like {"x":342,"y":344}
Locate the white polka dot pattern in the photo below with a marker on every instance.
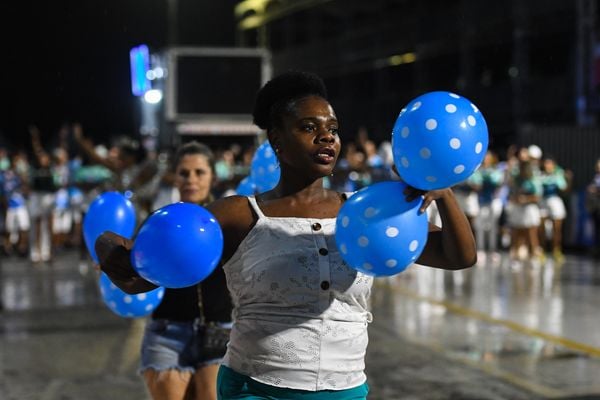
{"x":370,"y":212}
{"x":413,"y":245}
{"x":392,"y":231}
{"x":478,"y":147}
{"x":343,"y":248}
{"x":431,"y":124}
{"x":363,"y":241}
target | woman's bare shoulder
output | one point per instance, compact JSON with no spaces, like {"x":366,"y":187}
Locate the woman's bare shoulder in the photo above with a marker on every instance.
{"x":236,"y":218}
{"x":232,"y":211}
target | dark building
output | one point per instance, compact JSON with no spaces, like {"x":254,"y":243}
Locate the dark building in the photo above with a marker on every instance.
{"x":529,"y":66}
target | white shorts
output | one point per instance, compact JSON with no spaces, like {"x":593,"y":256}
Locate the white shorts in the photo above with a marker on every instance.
{"x":62,"y":220}
{"x":17,"y":220}
{"x":40,"y":204}
{"x":468,"y":202}
{"x":523,"y":215}
{"x":489,"y":215}
{"x":76,"y":214}
{"x":553,"y":207}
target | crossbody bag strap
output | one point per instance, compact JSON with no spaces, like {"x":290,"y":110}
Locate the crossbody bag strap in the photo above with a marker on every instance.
{"x":200,"y":305}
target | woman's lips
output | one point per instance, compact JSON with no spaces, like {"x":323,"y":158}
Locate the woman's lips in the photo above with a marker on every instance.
{"x":325,"y":155}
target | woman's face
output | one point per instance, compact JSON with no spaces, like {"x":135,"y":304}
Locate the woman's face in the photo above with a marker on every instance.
{"x":549,"y":165}
{"x":193,"y":178}
{"x":308,"y":140}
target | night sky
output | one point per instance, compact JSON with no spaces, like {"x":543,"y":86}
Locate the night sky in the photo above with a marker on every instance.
{"x":69,"y":61}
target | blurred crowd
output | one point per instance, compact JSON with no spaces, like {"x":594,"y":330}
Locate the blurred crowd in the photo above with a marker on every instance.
{"x":514,"y":201}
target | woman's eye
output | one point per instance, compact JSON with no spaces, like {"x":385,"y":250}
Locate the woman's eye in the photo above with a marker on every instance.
{"x":308,"y":128}
{"x":334,"y":130}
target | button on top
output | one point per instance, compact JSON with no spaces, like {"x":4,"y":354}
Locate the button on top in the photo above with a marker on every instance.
{"x":316,"y":226}
{"x":325,"y":285}
{"x":323,"y":251}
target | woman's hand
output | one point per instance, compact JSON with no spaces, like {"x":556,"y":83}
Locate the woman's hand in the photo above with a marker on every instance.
{"x":428,"y":196}
{"x":412,"y":193}
{"x":114,"y":254}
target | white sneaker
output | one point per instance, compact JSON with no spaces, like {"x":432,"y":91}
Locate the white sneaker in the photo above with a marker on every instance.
{"x":35,"y":257}
{"x":83,"y":268}
{"x":481,"y":256}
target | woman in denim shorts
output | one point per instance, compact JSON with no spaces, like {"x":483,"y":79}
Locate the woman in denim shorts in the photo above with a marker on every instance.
{"x":173,"y":365}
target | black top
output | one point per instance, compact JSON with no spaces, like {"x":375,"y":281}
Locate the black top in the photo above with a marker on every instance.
{"x":182,"y":304}
{"x":42,"y":180}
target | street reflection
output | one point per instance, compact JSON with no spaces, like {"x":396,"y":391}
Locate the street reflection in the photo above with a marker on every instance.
{"x":526,"y":319}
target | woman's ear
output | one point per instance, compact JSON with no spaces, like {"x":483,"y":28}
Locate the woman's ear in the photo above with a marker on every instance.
{"x":273,"y":137}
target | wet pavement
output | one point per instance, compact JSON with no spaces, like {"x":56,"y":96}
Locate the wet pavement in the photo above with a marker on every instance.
{"x":500,"y":330}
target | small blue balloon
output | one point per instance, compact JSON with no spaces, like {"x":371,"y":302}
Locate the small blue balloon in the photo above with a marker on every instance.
{"x":264,"y":168}
{"x":439,"y":140}
{"x":178,"y":245}
{"x":246,"y":187}
{"x":110,"y":211}
{"x":129,"y":305}
{"x":378,"y":232}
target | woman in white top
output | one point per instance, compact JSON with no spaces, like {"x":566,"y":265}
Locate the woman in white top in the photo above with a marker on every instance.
{"x":300,"y":312}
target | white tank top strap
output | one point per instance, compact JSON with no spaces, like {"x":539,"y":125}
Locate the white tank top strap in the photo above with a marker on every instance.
{"x":255,"y":207}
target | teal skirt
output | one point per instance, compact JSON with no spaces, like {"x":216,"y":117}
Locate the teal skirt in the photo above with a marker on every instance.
{"x":231,"y":385}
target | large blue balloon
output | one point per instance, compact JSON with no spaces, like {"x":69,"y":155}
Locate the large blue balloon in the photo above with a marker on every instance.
{"x":110,"y":211}
{"x":378,"y":232}
{"x":264,"y":168}
{"x":129,"y":305}
{"x":439,"y":140}
{"x":178,"y":245}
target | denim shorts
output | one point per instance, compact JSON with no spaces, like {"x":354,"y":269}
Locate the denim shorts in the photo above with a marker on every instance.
{"x":169,"y":345}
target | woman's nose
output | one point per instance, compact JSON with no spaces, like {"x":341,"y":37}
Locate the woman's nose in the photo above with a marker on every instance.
{"x":191,"y":177}
{"x":326,"y":136}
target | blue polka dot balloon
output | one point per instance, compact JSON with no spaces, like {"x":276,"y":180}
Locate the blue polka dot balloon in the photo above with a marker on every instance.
{"x":129,"y":305}
{"x":439,"y":140}
{"x":264,"y":168}
{"x":378,"y":232}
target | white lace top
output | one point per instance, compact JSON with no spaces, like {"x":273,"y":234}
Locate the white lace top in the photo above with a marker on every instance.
{"x":300,"y":312}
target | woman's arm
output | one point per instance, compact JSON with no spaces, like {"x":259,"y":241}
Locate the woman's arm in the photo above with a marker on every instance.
{"x":114,"y":251}
{"x":36,"y":143}
{"x":87,"y":146}
{"x":452,"y":246}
